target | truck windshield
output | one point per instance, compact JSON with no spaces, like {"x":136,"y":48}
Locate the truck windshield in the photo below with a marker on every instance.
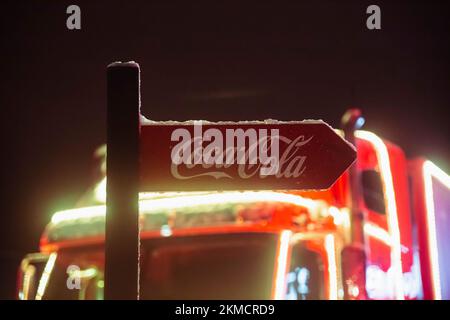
{"x":220,"y":266}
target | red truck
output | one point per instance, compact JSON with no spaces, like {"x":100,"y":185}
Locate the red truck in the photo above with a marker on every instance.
{"x":267,"y":244}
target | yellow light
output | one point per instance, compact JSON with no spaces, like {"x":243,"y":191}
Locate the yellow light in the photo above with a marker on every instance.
{"x":29,"y":273}
{"x":281,"y":265}
{"x":101,"y":284}
{"x":78,"y":213}
{"x":46,"y":276}
{"x":147,"y":206}
{"x":224,"y":197}
{"x":100,"y":196}
{"x":391,"y":206}
{"x":85,"y":274}
{"x":430,"y":170}
{"x":332,"y":268}
{"x":100,"y":191}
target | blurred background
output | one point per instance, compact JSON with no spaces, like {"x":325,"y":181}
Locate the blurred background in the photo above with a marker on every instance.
{"x":308,"y":59}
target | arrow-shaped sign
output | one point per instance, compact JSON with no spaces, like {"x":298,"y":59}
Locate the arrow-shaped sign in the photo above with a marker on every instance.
{"x":200,"y":155}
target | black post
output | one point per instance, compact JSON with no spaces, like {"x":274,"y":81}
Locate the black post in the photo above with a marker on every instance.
{"x":122,"y":190}
{"x":353,"y":255}
{"x":351,"y":121}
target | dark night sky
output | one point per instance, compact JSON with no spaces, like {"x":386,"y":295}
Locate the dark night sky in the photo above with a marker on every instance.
{"x":309,"y":59}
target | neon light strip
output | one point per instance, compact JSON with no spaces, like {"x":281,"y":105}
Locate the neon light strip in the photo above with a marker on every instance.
{"x":378,"y":233}
{"x":430,"y":170}
{"x":87,"y":273}
{"x":281,"y":265}
{"x":148,"y":206}
{"x":46,"y":276}
{"x":100,"y":191}
{"x":340,"y":216}
{"x":27,"y":276}
{"x":389,"y":198}
{"x":332,"y":268}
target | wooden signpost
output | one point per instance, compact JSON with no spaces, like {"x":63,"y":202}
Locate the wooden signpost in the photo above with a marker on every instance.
{"x":145,"y":155}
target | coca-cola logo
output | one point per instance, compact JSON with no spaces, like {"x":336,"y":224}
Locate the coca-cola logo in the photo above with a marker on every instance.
{"x":252,"y":152}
